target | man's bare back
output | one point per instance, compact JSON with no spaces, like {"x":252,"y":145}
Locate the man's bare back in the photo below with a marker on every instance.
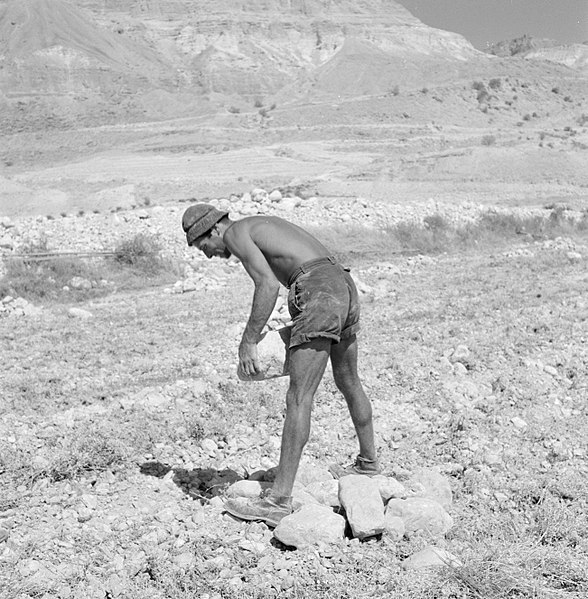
{"x":285,"y":246}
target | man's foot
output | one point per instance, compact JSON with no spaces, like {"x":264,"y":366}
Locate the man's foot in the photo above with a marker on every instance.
{"x":266,"y":508}
{"x":360,"y":466}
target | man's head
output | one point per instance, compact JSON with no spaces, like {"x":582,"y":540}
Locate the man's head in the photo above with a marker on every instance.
{"x":200,"y":223}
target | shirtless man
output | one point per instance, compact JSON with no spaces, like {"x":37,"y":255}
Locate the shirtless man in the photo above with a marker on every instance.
{"x":323,"y":305}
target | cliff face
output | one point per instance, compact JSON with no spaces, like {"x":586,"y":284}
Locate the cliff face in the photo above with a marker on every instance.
{"x":111,"y":60}
{"x":240,"y":47}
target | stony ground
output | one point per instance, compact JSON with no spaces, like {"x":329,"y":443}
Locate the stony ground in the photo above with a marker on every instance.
{"x":120,"y":428}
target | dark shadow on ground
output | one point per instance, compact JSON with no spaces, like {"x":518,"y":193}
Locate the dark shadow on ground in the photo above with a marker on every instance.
{"x":201,"y":484}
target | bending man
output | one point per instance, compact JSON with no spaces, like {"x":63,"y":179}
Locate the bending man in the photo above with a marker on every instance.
{"x":323,"y":305}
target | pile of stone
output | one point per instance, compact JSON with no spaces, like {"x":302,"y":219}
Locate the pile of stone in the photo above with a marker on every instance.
{"x":17,"y":306}
{"x":327,"y":509}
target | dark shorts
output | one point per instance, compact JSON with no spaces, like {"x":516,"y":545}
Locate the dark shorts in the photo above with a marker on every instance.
{"x":323,"y":302}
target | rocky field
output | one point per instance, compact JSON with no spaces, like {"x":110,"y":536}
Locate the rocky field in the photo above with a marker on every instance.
{"x":124,"y":425}
{"x":452,"y":182}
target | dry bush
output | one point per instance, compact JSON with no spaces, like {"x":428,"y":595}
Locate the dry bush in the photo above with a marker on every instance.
{"x":436,"y":234}
{"x":141,"y":260}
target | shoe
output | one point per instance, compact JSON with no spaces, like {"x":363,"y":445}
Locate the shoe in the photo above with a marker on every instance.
{"x":360,"y":466}
{"x":266,"y":508}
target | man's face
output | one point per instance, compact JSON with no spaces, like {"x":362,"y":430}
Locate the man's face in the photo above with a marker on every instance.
{"x":211,"y":244}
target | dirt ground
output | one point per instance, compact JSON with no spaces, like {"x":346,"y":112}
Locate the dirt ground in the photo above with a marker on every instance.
{"x":150,"y":375}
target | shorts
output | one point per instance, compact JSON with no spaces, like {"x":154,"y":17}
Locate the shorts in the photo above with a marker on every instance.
{"x":323,"y":302}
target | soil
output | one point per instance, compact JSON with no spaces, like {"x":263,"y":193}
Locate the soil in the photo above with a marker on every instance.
{"x":150,"y":375}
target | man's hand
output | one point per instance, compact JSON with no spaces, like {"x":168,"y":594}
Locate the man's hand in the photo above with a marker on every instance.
{"x":248,"y":361}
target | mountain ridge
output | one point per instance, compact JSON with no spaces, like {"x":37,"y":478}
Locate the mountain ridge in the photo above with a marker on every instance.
{"x":93,"y":61}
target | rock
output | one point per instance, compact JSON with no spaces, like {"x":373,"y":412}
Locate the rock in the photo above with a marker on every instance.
{"x":302,"y":497}
{"x":394,"y":526}
{"x":309,"y":473}
{"x":389,"y":487}
{"x":84,"y":514}
{"x":80,"y":313}
{"x":435,"y":486}
{"x":247,"y":488}
{"x":289,"y":204}
{"x":4,"y":534}
{"x":311,"y":525}
{"x":518,"y":422}
{"x":360,"y":497}
{"x":325,"y":492}
{"x":259,"y":195}
{"x":80,"y":283}
{"x":185,"y":560}
{"x":430,"y":556}
{"x":209,"y":446}
{"x":275,"y":195}
{"x":460,"y":354}
{"x":273,"y":355}
{"x":420,"y":514}
{"x":6,"y":242}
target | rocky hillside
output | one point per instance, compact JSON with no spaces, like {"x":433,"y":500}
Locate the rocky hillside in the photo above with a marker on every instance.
{"x":135,"y":59}
{"x":570,"y":55}
{"x":87,"y":62}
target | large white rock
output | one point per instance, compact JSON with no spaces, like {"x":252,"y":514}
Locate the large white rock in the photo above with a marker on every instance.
{"x":420,"y":514}
{"x":360,"y":497}
{"x":273,"y":355}
{"x":247,"y":488}
{"x":311,"y":525}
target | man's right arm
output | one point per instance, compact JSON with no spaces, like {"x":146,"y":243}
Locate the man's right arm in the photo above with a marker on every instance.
{"x":239,"y":242}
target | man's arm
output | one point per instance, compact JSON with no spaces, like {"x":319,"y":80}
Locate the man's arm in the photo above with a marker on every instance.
{"x":239,"y":242}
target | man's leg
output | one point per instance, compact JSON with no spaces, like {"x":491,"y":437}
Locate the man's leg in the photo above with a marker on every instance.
{"x":344,"y":362}
{"x":307,"y":366}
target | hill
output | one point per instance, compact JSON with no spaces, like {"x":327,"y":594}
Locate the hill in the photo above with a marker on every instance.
{"x":570,"y":55}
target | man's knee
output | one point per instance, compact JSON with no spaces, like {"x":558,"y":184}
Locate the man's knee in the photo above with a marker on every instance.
{"x":347,"y":381}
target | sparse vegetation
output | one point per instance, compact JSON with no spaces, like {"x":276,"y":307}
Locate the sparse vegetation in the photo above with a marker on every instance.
{"x":495,"y":83}
{"x":488,"y":140}
{"x":137,"y":262}
{"x":234,"y":109}
{"x":436,"y":234}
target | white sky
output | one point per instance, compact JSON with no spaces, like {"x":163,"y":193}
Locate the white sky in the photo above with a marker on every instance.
{"x":484,"y":22}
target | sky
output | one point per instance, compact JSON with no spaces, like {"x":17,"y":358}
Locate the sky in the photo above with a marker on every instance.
{"x":484,"y":22}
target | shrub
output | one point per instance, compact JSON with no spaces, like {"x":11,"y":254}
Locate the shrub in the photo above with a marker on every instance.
{"x":482,"y":96}
{"x":495,"y":83}
{"x":142,"y":251}
{"x":91,"y":450}
{"x":258,"y":103}
{"x":488,"y":140}
{"x":234,"y":110}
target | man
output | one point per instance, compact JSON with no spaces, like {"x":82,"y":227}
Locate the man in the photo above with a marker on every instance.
{"x":323,"y":305}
